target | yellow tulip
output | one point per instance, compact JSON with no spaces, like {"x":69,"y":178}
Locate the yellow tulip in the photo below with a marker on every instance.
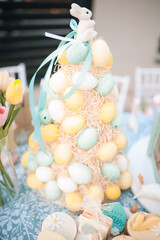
{"x":14,"y":92}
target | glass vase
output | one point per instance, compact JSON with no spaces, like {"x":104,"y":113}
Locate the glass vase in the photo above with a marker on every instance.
{"x":8,"y":181}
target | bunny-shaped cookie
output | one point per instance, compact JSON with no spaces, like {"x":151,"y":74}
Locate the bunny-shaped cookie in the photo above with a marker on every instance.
{"x":85,"y":31}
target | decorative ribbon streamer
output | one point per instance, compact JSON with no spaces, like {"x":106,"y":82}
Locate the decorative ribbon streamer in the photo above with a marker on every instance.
{"x":45,"y":87}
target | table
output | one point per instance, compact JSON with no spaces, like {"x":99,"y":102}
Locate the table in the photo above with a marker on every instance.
{"x":21,"y":220}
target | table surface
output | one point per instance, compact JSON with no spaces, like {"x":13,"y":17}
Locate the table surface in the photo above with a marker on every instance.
{"x":22,"y":218}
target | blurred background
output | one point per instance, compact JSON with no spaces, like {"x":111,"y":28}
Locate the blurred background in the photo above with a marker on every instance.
{"x":131,"y":29}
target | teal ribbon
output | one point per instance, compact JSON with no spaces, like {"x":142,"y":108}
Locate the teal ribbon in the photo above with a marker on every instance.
{"x":45,"y":89}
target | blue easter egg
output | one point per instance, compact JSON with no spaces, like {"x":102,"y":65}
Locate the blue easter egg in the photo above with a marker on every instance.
{"x":44,"y":159}
{"x":105,"y":84}
{"x":52,"y":191}
{"x":117,"y":213}
{"x":45,"y":117}
{"x":76,"y":53}
{"x":110,"y":171}
{"x":87,"y":138}
{"x":31,"y":162}
{"x":117,"y":121}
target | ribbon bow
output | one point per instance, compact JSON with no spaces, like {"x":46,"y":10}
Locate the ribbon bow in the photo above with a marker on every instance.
{"x":45,"y":89}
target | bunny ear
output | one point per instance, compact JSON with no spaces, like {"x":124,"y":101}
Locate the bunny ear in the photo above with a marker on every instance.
{"x":75,"y":10}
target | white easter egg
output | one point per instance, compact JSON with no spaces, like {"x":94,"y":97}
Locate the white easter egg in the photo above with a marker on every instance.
{"x":89,"y":81}
{"x":44,"y":174}
{"x":122,"y":162}
{"x":52,"y":191}
{"x":58,"y":82}
{"x":100,"y":53}
{"x":80,"y":173}
{"x":66,"y":184}
{"x":56,"y":110}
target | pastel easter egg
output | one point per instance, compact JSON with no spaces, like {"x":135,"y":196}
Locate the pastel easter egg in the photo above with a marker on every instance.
{"x":43,"y":174}
{"x":107,"y":112}
{"x":110,"y":62}
{"x":110,"y":171}
{"x":105,"y":84}
{"x":87,"y":138}
{"x":118,"y":215}
{"x":31,"y":162}
{"x":67,"y":185}
{"x":75,"y":101}
{"x":62,"y":154}
{"x":107,"y":151}
{"x":122,"y":162}
{"x":113,"y":192}
{"x":52,"y":191}
{"x":120,"y":141}
{"x":32,"y":143}
{"x":76,"y":53}
{"x":73,"y":201}
{"x":33,"y":182}
{"x":96,"y":191}
{"x":50,"y":132}
{"x":45,"y":117}
{"x":117,"y":121}
{"x":73,"y":124}
{"x":58,"y":82}
{"x":44,"y":159}
{"x":24,"y":158}
{"x":100,"y":53}
{"x":115,"y":91}
{"x":62,"y":60}
{"x":56,"y":109}
{"x":80,"y":173}
{"x":89,"y":81}
{"x":125,"y":180}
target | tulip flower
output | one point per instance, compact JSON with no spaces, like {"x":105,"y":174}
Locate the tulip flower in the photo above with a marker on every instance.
{"x":5,"y":80}
{"x":3,"y":115}
{"x":14,"y":93}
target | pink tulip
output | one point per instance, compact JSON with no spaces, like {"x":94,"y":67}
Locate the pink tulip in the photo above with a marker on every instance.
{"x":3,"y":115}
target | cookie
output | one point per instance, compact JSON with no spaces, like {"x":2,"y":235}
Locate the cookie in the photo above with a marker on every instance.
{"x":62,"y":223}
{"x":49,"y":235}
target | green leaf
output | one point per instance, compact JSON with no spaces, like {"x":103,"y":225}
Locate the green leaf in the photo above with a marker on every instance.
{"x":13,"y":116}
{"x":11,"y":109}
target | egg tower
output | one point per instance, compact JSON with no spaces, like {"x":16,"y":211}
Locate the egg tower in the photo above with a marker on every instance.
{"x":80,"y":127}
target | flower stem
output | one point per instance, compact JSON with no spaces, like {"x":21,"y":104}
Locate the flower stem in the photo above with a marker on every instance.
{"x":1,"y":199}
{"x":6,"y":174}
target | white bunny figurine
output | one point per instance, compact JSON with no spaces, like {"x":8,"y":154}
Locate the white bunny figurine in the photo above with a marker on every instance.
{"x":85,"y":31}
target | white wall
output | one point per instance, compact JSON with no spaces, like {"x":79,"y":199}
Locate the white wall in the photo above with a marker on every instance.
{"x":131,"y":29}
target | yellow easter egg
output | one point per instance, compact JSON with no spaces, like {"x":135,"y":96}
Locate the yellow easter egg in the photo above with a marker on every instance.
{"x":62,"y":154}
{"x":100,"y":53}
{"x":24,"y":158}
{"x":107,"y":112}
{"x":73,"y":124}
{"x":107,"y":151}
{"x":75,"y":101}
{"x":73,"y":201}
{"x":120,"y":141}
{"x":113,"y":192}
{"x":50,"y":132}
{"x":96,"y":191}
{"x":33,"y":182}
{"x":32,"y":143}
{"x":110,"y":62}
{"x":62,"y":59}
{"x":125,"y":180}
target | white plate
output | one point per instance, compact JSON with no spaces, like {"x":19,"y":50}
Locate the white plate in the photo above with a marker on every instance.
{"x":140,"y":163}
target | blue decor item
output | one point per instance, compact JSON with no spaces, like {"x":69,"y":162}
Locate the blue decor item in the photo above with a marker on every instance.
{"x":76,"y":53}
{"x":87,"y":138}
{"x":45,"y":117}
{"x":110,"y":171}
{"x":117,"y":121}
{"x":44,"y":159}
{"x":31,"y":162}
{"x":117,"y":213}
{"x":105,"y":84}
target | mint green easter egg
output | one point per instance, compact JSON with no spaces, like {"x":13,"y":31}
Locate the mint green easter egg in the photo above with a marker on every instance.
{"x":45,"y":117}
{"x":31,"y":162}
{"x":110,"y":171}
{"x":117,"y":121}
{"x":76,"y":53}
{"x":117,"y":213}
{"x":105,"y":84}
{"x":44,"y":159}
{"x":87,"y":138}
{"x":52,"y":191}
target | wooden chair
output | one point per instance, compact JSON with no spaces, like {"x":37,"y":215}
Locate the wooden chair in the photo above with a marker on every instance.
{"x":17,"y":72}
{"x":123,"y":85}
